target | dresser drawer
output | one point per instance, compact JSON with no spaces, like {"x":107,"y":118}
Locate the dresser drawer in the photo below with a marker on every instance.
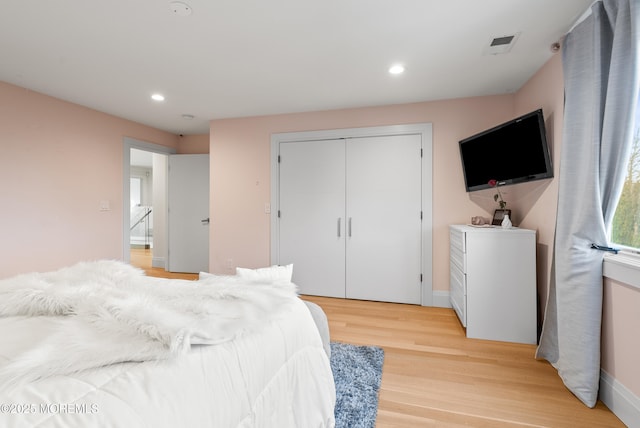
{"x":458,"y":292}
{"x":457,"y":258}
{"x":457,"y":239}
{"x":457,"y":249}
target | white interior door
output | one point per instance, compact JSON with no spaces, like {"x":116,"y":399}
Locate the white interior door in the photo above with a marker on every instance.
{"x":311,"y":222}
{"x":384,"y":226}
{"x":188,"y":217}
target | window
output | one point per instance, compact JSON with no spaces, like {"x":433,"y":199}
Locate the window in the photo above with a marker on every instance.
{"x":625,"y":230}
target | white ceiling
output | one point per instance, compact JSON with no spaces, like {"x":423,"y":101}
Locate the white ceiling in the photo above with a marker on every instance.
{"x":234,"y":58}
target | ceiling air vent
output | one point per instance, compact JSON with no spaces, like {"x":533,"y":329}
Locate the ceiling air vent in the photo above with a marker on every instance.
{"x":499,"y":41}
{"x":501,"y":44}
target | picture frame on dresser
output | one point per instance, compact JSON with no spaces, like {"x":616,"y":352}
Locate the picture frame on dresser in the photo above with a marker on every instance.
{"x":498,"y":215}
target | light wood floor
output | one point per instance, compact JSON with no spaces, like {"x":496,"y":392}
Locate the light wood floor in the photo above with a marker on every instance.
{"x":142,"y":258}
{"x":433,"y":376}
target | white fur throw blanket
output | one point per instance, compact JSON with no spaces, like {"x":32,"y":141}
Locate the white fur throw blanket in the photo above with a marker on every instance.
{"x":109,"y":312}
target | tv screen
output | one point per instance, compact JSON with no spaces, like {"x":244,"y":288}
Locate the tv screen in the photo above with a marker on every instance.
{"x":510,"y":153}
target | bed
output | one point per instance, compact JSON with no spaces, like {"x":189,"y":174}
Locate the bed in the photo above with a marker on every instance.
{"x":75,"y":355}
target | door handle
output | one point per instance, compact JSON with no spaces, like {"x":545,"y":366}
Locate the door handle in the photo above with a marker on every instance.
{"x":205,"y":221}
{"x":339,"y":225}
{"x":349,"y":227}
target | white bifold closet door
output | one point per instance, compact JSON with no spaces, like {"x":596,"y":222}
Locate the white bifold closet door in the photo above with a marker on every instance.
{"x":311,"y":210}
{"x":350,"y":217}
{"x":383,"y":214}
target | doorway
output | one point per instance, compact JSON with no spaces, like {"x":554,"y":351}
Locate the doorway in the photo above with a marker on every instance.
{"x":145,"y":204}
{"x":147,"y":189}
{"x":141,"y":182}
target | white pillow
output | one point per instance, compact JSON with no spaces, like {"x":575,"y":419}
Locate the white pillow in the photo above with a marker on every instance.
{"x":272,"y":273}
{"x":206,"y":275}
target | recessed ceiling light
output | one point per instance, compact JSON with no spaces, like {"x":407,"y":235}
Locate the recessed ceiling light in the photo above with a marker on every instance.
{"x":157,"y":97}
{"x":396,"y":69}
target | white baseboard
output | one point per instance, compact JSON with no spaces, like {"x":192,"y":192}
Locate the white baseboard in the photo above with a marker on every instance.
{"x":158,"y":262}
{"x":622,"y":402}
{"x":441,"y":299}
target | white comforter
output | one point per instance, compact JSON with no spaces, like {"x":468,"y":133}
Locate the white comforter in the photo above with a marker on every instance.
{"x":272,"y":375}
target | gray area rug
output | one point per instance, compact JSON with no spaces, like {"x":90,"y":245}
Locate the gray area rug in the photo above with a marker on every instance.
{"x":357,"y":371}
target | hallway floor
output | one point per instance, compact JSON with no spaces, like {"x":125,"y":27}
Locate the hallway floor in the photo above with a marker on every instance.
{"x":141,"y":258}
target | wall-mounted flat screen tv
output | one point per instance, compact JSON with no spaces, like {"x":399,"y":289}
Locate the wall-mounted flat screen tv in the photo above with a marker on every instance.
{"x":510,"y":153}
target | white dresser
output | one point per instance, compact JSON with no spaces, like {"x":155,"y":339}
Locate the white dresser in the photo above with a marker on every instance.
{"x":493,"y":282}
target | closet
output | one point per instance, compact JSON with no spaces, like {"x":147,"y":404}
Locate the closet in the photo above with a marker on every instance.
{"x":350,"y":216}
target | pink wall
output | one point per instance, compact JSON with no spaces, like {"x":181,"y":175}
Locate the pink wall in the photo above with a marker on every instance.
{"x":193,"y":144}
{"x":544,"y":90}
{"x":240,"y":171}
{"x":58,"y":161}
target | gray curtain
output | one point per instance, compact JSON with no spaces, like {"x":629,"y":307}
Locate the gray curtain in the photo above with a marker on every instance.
{"x":601,"y":90}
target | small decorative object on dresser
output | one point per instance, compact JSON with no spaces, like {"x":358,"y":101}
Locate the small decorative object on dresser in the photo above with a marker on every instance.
{"x":480,"y":221}
{"x":506,"y":222}
{"x":498,"y":216}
